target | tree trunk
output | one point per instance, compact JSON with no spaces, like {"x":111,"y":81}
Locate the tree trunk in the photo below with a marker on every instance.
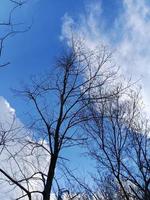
{"x":50,"y":177}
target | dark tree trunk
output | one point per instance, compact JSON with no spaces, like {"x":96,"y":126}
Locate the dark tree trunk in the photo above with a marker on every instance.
{"x":50,"y":177}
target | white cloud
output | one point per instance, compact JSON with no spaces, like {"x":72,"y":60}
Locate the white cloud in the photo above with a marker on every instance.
{"x":30,"y":160}
{"x":6,"y":110}
{"x":7,"y":123}
{"x":133,"y":49}
{"x":87,"y":27}
{"x":128,"y":37}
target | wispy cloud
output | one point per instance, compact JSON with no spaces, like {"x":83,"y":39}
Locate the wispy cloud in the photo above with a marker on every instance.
{"x":128,"y":36}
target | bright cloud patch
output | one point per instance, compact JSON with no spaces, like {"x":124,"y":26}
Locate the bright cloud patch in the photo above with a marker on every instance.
{"x":6,"y":111}
{"x":128,"y":37}
{"x":17,"y":159}
{"x":7,"y":123}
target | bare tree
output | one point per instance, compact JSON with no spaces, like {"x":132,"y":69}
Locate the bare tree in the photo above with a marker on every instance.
{"x":58,"y":101}
{"x":119,"y":134}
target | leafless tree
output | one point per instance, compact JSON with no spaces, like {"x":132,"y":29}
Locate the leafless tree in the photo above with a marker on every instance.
{"x":119,"y":134}
{"x":58,"y":101}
